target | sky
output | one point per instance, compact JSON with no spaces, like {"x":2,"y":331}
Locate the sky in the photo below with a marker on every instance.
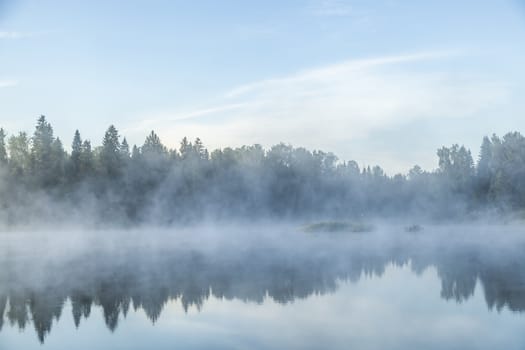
{"x":384,"y":82}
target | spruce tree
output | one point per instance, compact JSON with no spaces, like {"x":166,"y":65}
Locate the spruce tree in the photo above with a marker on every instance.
{"x":75,"y":159}
{"x":57,"y":162}
{"x":185,"y":148}
{"x":42,"y":153}
{"x":124,"y":149}
{"x":86,"y":159}
{"x":110,"y":156}
{"x":3,"y":150}
{"x":153,"y":145}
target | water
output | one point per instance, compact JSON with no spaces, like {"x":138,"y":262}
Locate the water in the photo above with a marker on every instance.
{"x":456,"y":287}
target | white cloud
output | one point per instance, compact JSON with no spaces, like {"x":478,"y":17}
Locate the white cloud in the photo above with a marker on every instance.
{"x":327,"y":107}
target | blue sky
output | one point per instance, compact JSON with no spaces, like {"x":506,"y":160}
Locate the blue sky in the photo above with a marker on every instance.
{"x":383,"y":82}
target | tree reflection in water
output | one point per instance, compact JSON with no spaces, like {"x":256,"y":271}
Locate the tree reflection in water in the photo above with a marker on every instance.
{"x":35,"y":283}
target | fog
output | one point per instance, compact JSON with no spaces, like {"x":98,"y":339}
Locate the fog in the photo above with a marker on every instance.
{"x":146,"y":268}
{"x":119,"y":227}
{"x":229,"y":175}
{"x":116,"y":185}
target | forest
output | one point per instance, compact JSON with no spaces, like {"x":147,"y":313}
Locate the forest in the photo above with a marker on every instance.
{"x":121,"y":185}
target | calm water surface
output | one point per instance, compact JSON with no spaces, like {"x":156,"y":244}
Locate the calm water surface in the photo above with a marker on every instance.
{"x":444,"y":288}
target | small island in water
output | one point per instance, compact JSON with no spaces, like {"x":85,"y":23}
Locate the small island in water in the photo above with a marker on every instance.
{"x":338,"y":226}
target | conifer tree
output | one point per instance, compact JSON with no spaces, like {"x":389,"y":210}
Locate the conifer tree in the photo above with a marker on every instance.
{"x":19,"y":155}
{"x":124,"y":149}
{"x":75,"y":159}
{"x":153,"y":145}
{"x":86,"y":159}
{"x":3,"y":149}
{"x":42,"y":153}
{"x":110,"y":155}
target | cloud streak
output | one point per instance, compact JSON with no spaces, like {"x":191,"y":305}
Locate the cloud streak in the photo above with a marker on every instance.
{"x":13,"y":35}
{"x":8,"y":83}
{"x":328,"y":107}
{"x":331,"y":8}
{"x":154,"y":119}
{"x":338,"y":70}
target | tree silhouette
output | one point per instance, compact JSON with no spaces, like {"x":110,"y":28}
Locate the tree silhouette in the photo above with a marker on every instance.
{"x":3,"y":149}
{"x":75,"y":160}
{"x":110,"y":154}
{"x":153,"y":182}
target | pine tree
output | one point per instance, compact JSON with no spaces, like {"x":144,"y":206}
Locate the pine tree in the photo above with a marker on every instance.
{"x":199,"y":150}
{"x":110,"y":156}
{"x":41,"y":153}
{"x":86,"y":159}
{"x":135,"y":153}
{"x":3,"y":150}
{"x":185,"y":148}
{"x":153,"y":146}
{"x":124,"y":149}
{"x":75,"y":159}
{"x":57,"y":162}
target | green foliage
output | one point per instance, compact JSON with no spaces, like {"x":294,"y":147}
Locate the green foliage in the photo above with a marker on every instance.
{"x":457,"y":165}
{"x":507,"y":170}
{"x":249,"y":181}
{"x":75,"y":162}
{"x":185,"y":148}
{"x":124,"y":149}
{"x":43,"y":159}
{"x":58,"y":161}
{"x":19,"y":155}
{"x":3,"y":148}
{"x":153,"y":146}
{"x":110,"y":154}
{"x":86,"y":159}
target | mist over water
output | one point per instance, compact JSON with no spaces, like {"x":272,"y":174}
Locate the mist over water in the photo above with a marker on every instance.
{"x":48,"y":276}
{"x":247,"y":242}
{"x":314,"y":174}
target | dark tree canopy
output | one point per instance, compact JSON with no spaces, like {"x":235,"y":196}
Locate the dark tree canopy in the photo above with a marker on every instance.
{"x":122,"y":184}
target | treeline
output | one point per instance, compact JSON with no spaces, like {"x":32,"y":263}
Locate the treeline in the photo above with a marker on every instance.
{"x":117,"y":183}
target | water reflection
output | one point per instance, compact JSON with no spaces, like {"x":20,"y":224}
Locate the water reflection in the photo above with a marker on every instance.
{"x":35,"y":282}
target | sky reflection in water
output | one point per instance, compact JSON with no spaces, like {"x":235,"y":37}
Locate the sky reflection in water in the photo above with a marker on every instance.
{"x":432,"y":291}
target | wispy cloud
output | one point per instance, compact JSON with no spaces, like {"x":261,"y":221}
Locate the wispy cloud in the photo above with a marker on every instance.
{"x":13,"y":35}
{"x":331,"y":8}
{"x":329,"y":107}
{"x":154,"y":119}
{"x":8,"y":83}
{"x":339,"y":70}
{"x":212,"y":110}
